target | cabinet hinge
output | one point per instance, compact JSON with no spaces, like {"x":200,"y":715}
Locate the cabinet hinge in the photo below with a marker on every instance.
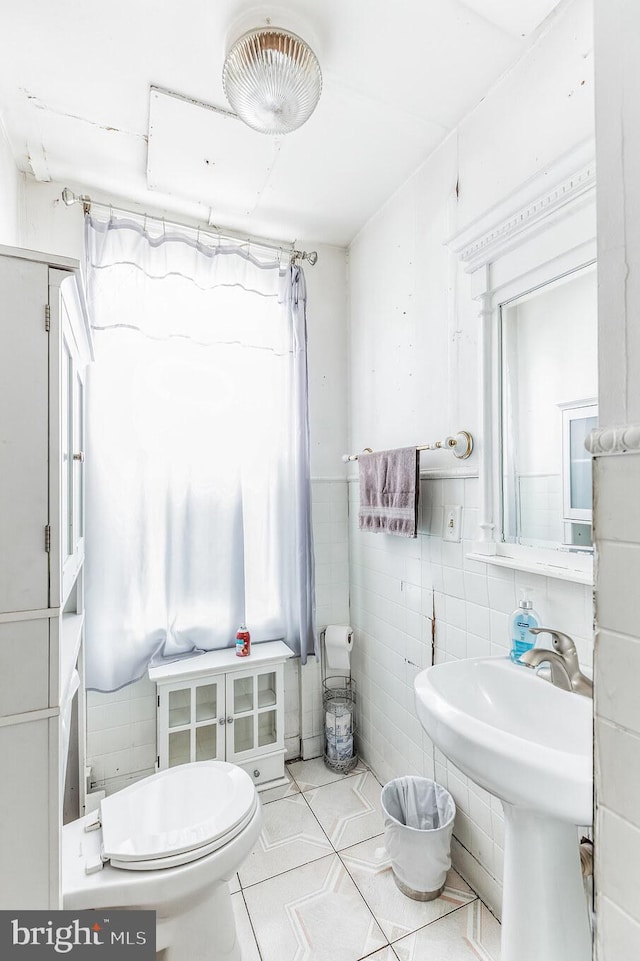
{"x":158,"y":700}
{"x":158,"y":760}
{"x":47,"y":317}
{"x":47,"y":538}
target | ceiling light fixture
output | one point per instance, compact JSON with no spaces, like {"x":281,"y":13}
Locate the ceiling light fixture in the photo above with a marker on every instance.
{"x":272,"y":80}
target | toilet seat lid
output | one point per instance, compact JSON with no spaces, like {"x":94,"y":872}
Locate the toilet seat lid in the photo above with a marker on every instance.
{"x":176,"y":810}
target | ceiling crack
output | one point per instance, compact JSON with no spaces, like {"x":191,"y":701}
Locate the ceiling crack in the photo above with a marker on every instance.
{"x":39,"y":105}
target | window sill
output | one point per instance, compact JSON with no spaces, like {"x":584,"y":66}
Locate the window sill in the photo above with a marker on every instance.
{"x":535,"y":564}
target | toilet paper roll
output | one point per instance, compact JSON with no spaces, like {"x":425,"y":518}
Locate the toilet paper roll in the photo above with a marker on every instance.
{"x":340,"y":749}
{"x":337,"y":725}
{"x":338,"y":641}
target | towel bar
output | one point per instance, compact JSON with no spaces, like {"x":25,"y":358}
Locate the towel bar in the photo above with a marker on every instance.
{"x":460,"y":445}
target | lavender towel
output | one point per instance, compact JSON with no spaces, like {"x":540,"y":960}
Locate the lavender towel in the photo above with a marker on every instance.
{"x":389,"y":488}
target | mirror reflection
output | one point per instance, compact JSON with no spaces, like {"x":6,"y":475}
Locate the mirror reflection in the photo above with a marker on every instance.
{"x":548,"y":340}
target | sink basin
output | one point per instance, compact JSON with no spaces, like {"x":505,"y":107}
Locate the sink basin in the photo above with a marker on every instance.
{"x":529,"y":744}
{"x":522,"y":739}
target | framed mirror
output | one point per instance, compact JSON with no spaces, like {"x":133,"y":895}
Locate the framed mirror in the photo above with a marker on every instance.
{"x":549,"y":372}
{"x":533,"y":274}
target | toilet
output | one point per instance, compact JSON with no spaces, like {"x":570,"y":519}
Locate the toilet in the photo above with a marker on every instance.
{"x":168,"y":843}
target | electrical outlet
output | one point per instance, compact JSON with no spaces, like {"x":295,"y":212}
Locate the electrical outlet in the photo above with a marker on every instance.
{"x":452,"y":522}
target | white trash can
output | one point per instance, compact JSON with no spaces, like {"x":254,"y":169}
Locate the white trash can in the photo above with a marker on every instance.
{"x":418,"y":824}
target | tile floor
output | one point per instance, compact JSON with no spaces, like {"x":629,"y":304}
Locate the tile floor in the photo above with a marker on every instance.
{"x":319,"y":887}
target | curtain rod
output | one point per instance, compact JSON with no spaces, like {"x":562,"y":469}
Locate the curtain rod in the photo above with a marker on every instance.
{"x":460,"y":445}
{"x":311,"y":256}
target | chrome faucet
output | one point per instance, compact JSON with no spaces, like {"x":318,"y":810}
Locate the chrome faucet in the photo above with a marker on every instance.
{"x":563,"y":661}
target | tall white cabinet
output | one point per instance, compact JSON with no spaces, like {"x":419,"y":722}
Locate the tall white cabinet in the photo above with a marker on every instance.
{"x":44,"y":350}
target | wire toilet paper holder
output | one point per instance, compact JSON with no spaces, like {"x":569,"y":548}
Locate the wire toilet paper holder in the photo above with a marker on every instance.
{"x":339,"y":704}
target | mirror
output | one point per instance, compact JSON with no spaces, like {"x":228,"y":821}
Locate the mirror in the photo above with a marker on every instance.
{"x":548,"y":361}
{"x":531,"y":260}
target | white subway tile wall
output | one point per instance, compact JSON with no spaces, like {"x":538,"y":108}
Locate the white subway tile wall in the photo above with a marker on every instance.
{"x":410,"y":598}
{"x":121,"y":727}
{"x":540,"y":508}
{"x":617,"y":658}
{"x":331,"y":543}
{"x":121,"y":735}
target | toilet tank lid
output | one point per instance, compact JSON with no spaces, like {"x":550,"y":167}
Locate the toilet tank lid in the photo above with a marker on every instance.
{"x":176,"y":810}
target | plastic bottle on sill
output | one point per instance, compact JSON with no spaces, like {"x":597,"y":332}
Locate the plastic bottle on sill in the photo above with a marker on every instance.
{"x":520,"y":621}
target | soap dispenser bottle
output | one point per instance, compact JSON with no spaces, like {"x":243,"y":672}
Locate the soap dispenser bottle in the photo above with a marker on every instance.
{"x":520,"y":621}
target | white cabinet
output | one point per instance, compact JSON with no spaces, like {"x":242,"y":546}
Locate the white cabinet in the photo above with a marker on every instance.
{"x":578,"y":420}
{"x":44,"y":348}
{"x":217,"y":706}
{"x":69,"y":356}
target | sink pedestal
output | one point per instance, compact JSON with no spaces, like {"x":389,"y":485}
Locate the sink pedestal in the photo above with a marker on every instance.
{"x":531,"y":745}
{"x":544,"y":906}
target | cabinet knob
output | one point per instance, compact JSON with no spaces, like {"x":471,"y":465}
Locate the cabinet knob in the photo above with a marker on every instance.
{"x":79,"y":456}
{"x":256,"y":773}
{"x":230,"y":720}
{"x":222,"y":720}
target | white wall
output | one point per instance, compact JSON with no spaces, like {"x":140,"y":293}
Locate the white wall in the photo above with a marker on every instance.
{"x":617,"y":483}
{"x":618,"y":148}
{"x":121,"y":726}
{"x":413,"y":379}
{"x":10,"y":184}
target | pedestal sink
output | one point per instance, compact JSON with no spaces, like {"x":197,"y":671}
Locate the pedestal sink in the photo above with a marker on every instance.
{"x":529,"y":744}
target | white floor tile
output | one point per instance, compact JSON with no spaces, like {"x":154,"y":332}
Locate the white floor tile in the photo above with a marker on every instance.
{"x":397,"y":914}
{"x":276,"y":793}
{"x":246,"y":938}
{"x":290,"y":836}
{"x":307,"y":904}
{"x":348,"y":810}
{"x":387,"y":954}
{"x":469,"y":934}
{"x":315,"y":773}
{"x":234,"y":884}
{"x":313,"y":913}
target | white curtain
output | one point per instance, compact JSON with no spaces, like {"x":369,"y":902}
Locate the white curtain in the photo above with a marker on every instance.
{"x":198,"y":493}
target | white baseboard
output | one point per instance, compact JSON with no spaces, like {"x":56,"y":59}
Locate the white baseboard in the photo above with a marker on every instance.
{"x":312,"y":747}
{"x":477,"y":877}
{"x":292,"y":748}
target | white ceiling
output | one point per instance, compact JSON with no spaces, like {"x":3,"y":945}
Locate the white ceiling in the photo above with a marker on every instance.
{"x":76,"y":95}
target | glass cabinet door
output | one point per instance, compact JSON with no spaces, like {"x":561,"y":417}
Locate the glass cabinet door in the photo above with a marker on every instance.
{"x":267,"y":719}
{"x":179,"y":748}
{"x":209,"y":739}
{"x":177,"y":711}
{"x":180,"y":707}
{"x":577,"y":423}
{"x":240,"y":714}
{"x":267,"y":695}
{"x":267,"y":728}
{"x":191,"y":722}
{"x":72,"y":430}
{"x":255,"y":713}
{"x":206,"y":742}
{"x":207,"y":702}
{"x":77,"y":484}
{"x":66,"y":445}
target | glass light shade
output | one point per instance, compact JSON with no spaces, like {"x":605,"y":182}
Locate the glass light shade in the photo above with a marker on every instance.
{"x":272,"y":80}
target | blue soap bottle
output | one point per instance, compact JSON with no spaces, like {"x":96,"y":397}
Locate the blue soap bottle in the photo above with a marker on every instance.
{"x":520,"y":621}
